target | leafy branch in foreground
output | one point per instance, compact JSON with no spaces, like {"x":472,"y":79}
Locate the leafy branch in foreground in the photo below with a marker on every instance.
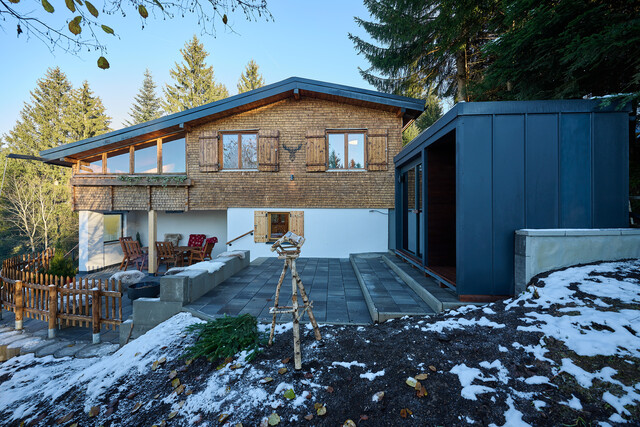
{"x":82,"y":14}
{"x":225,"y":337}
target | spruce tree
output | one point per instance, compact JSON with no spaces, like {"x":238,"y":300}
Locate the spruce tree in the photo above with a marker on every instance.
{"x":250,"y":79}
{"x":420,"y":43}
{"x":432,"y":112}
{"x":147,"y":105}
{"x":195,"y":84}
{"x":87,"y":115}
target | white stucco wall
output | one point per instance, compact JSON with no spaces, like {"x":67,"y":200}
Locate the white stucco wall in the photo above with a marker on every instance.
{"x":93,"y":252}
{"x":334,"y":233}
{"x":211,"y":223}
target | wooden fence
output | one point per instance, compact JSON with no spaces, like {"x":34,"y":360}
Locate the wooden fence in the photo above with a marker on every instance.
{"x":61,"y":301}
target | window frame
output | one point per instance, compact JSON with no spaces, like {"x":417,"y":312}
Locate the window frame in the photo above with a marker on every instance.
{"x":270,"y":238}
{"x":346,"y":133}
{"x":239,"y":133}
{"x":121,"y":228}
{"x":131,"y":149}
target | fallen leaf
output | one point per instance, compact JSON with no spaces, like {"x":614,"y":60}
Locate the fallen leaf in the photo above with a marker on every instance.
{"x":418,"y":386}
{"x":137,"y":354}
{"x":179,"y":389}
{"x":282,"y":371}
{"x":228,"y":360}
{"x":321,"y":410}
{"x":433,"y":368}
{"x":378,"y":396}
{"x":223,"y":417}
{"x":110,"y":411}
{"x":173,"y":374}
{"x":266,"y":380}
{"x":421,"y":377}
{"x":162,"y":360}
{"x":349,"y":423}
{"x":308,"y":375}
{"x":164,"y":347}
{"x":290,"y":394}
{"x":188,"y":362}
{"x":411,"y":382}
{"x":308,"y":417}
{"x":238,"y":425}
{"x":422,"y":392}
{"x":175,"y":382}
{"x":157,"y":396}
{"x":405,"y":412}
{"x":65,"y":418}
{"x":154,"y":365}
{"x":95,"y":410}
{"x":135,"y":408}
{"x":364,"y":417}
{"x":274,"y":419}
{"x":236,"y":366}
{"x":286,"y":360}
{"x":72,"y":425}
{"x":188,"y":392}
{"x":329,"y":389}
{"x":173,"y":414}
{"x":132,"y":395}
{"x":221,"y":366}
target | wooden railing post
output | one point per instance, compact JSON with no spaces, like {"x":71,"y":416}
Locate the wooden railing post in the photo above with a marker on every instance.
{"x":96,"y":310}
{"x":53,"y":309}
{"x":19,"y":303}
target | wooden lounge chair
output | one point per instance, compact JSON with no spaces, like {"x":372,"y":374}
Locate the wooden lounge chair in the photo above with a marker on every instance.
{"x":125,"y":257}
{"x":167,"y":254}
{"x":205,"y":252}
{"x":135,"y":253}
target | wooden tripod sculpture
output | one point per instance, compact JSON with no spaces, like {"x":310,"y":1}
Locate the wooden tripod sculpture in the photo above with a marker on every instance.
{"x":288,"y":248}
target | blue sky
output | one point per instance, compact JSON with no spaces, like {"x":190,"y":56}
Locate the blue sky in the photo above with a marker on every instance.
{"x":305,"y":39}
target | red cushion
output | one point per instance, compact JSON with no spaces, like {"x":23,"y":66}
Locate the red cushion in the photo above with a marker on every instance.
{"x":196,"y":240}
{"x":213,"y":240}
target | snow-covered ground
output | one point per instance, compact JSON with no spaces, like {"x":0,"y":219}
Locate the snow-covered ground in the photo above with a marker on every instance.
{"x":566,"y":350}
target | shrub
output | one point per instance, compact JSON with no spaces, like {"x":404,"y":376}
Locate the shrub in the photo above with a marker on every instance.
{"x":224,"y":337}
{"x":61,"y":266}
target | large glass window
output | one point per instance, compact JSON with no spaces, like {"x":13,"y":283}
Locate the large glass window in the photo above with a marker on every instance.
{"x":174,"y":156}
{"x":112,"y":227}
{"x":146,"y":158}
{"x":90,"y":165}
{"x":240,"y":151}
{"x":118,"y":161}
{"x":346,"y":150}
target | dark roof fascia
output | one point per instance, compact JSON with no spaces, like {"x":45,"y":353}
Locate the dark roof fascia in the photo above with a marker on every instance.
{"x":563,"y":106}
{"x":412,"y":107}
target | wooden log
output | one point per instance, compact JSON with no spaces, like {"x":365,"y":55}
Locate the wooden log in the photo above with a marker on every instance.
{"x":19,"y":304}
{"x":277,"y":299}
{"x":297,"y":354}
{"x":95,"y":312}
{"x":53,"y":310}
{"x":307,"y":305}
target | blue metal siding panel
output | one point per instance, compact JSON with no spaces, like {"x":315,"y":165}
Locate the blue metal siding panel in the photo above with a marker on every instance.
{"x":541,"y":171}
{"x":473,"y":206}
{"x":610,"y":170}
{"x":575,"y":171}
{"x":508,"y":197}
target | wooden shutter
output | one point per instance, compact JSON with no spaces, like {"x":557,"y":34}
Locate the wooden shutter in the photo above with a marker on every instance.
{"x":316,"y":150}
{"x":268,"y":150}
{"x":260,"y":226}
{"x":296,"y":222}
{"x":209,"y":151}
{"x":377,"y":150}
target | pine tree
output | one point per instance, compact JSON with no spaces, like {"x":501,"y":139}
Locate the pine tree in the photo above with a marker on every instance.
{"x":87,"y":115}
{"x":147,"y":104}
{"x":423,"y":43}
{"x":195,"y":84}
{"x":432,"y":112}
{"x":251,"y":79}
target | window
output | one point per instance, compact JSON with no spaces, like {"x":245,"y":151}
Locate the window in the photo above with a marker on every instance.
{"x":173,"y":156}
{"x":118,"y":161}
{"x":278,"y":224}
{"x":112,"y":227}
{"x":90,"y":165}
{"x":146,"y":158}
{"x":240,"y":150}
{"x":346,"y":150}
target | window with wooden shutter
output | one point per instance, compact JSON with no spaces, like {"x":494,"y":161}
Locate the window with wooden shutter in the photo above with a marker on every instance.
{"x":377,"y":150}
{"x":268,"y":150}
{"x":209,"y":152}
{"x":296,"y":222}
{"x":316,"y":150}
{"x":260,"y":226}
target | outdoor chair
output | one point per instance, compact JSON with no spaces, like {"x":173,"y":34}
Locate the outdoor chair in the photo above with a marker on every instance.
{"x":125,"y":254}
{"x":135,"y":253}
{"x":204,"y":253}
{"x":173,"y":238}
{"x":196,"y":240}
{"x":167,"y":254}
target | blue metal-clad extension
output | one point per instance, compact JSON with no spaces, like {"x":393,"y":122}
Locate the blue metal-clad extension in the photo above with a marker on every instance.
{"x":411,"y":109}
{"x":520,"y":164}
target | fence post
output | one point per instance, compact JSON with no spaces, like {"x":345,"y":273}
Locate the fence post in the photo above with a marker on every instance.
{"x":53,"y":309}
{"x":19,"y":304}
{"x":96,"y":310}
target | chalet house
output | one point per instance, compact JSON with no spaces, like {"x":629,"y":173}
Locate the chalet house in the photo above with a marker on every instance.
{"x":312,"y":157}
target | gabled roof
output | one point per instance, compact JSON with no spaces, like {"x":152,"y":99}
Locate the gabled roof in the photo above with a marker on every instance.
{"x":410,"y":108}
